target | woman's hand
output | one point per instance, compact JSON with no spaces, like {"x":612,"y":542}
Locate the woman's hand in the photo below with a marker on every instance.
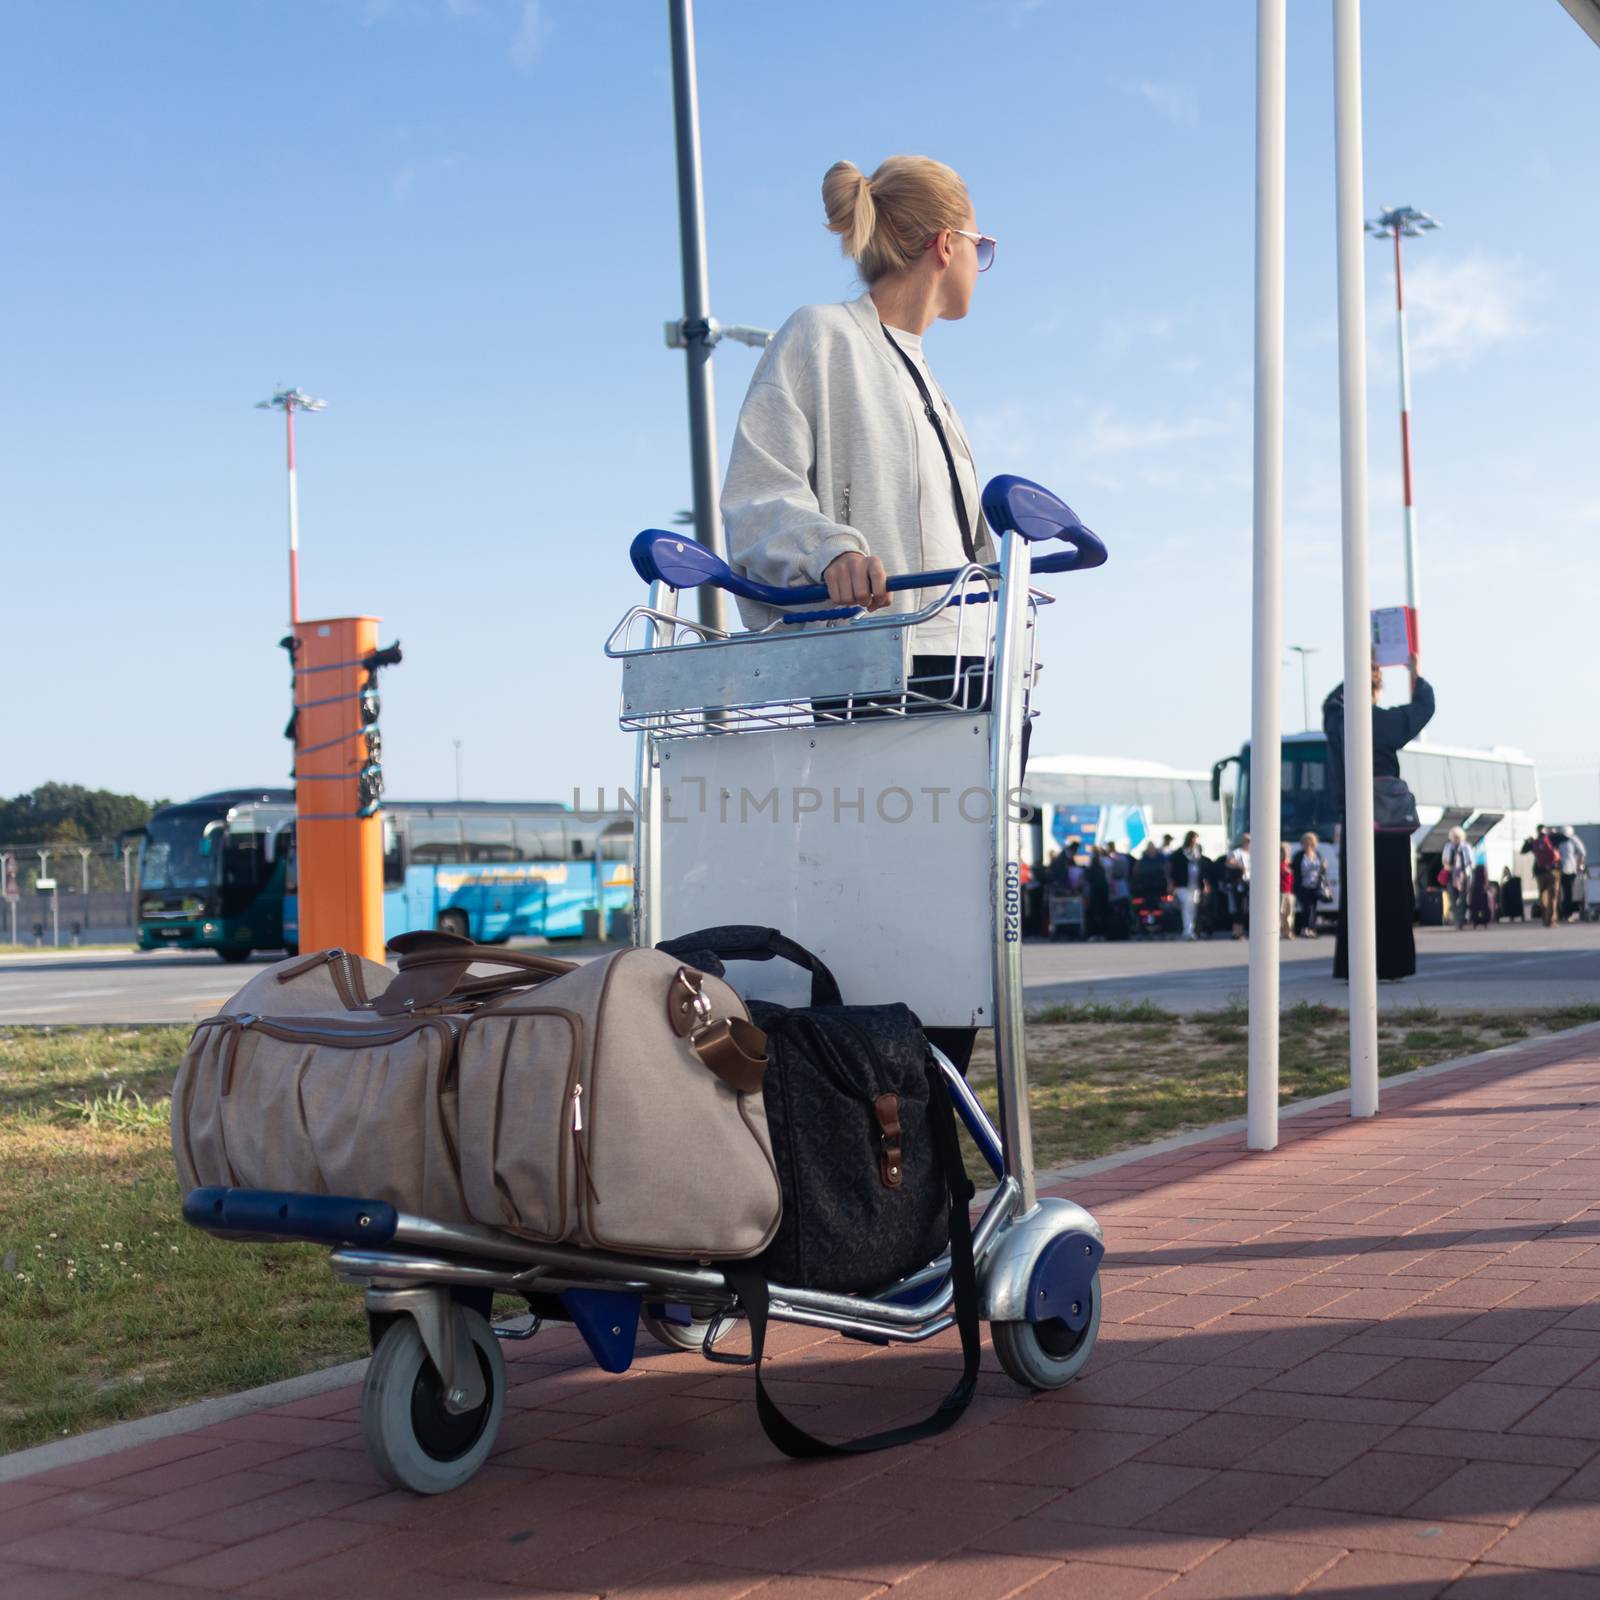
{"x":856,"y":580}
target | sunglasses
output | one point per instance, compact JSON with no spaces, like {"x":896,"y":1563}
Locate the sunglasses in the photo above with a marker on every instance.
{"x":985,"y":246}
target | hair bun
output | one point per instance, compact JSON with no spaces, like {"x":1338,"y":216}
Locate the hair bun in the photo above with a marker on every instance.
{"x":847,"y":198}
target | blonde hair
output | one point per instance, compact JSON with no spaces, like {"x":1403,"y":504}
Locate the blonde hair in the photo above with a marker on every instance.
{"x":885,"y":221}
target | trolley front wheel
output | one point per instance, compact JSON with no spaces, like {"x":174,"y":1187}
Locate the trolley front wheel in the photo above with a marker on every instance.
{"x":414,"y":1442}
{"x":689,"y":1336}
{"x":1046,"y":1355}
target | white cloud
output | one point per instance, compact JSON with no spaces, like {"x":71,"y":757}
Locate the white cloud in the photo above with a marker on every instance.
{"x":532,"y":31}
{"x":1459,"y":309}
{"x":1178,"y":103}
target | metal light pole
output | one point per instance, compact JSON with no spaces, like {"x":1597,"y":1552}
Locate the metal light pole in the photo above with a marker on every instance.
{"x":457,"y":744}
{"x":1404,"y":222}
{"x":1358,"y":888}
{"x":289,"y":401}
{"x":698,"y":332}
{"x":696,"y":304}
{"x":1261,"y":1112}
{"x":1304,"y":650}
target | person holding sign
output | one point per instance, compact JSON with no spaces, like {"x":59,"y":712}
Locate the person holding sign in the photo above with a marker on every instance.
{"x":1394,"y":819}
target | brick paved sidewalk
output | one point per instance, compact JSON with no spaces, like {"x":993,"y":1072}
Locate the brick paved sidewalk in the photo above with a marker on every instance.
{"x":1368,"y":1363}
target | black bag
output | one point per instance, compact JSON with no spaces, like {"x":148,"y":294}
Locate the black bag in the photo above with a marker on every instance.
{"x":1394,"y":807}
{"x":846,"y":1092}
{"x":864,"y":1210}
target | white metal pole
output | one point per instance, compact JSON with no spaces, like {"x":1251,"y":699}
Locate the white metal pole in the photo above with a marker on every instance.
{"x":1358,"y":887}
{"x":1266,"y":736}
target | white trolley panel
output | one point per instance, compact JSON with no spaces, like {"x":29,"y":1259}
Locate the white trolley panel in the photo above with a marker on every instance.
{"x":868,"y":842}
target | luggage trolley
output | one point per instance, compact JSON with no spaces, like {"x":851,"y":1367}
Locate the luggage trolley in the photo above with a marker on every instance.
{"x":801,"y":776}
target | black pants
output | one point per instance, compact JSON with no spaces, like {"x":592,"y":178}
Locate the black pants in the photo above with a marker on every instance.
{"x":1396,"y":907}
{"x":1306,"y":901}
{"x":1569,"y":881}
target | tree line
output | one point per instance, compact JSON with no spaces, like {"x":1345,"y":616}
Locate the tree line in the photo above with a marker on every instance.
{"x":69,"y":814}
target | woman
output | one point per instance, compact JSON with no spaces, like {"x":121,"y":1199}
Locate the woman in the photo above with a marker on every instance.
{"x":1187,"y":871}
{"x":1285,"y":893}
{"x":1455,"y":864}
{"x":1098,"y":914}
{"x":1310,"y":877}
{"x":1393,"y":727}
{"x":849,"y":463}
{"x":1482,"y":896}
{"x":1238,"y":886}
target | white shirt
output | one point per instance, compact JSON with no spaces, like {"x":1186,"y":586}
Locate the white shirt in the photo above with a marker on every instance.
{"x":941,"y":532}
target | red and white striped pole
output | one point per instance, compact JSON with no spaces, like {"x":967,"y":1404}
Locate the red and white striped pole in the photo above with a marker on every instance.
{"x":1398,"y":222}
{"x":294,"y":519}
{"x":1405,"y":441}
{"x":289,"y":401}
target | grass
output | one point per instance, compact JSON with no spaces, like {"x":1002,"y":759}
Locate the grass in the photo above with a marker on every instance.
{"x":110,"y":1307}
{"x":1105,"y":1078}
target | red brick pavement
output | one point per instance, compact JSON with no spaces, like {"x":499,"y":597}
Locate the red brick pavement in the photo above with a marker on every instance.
{"x":1365,"y":1364}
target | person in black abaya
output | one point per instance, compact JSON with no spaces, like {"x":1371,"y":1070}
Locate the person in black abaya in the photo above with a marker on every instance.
{"x":1393,"y":727}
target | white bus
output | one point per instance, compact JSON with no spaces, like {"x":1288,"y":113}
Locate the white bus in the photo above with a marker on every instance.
{"x":1096,"y":798}
{"x":1491,"y":795}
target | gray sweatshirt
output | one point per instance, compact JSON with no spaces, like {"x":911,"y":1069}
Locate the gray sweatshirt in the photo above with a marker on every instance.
{"x":827,"y":458}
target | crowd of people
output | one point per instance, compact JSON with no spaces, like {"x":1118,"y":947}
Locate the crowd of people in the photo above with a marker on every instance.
{"x":1104,"y":892}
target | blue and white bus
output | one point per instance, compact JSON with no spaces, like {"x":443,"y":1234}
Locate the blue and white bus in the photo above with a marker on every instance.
{"x":493,"y":870}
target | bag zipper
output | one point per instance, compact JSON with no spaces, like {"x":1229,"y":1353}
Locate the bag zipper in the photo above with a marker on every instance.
{"x":574,"y":1099}
{"x":337,"y":963}
{"x":579,"y":1152}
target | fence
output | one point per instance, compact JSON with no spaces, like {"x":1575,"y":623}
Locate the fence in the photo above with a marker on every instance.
{"x":93,"y":898}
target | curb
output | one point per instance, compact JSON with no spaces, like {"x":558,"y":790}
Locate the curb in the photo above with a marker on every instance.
{"x":186,"y":1419}
{"x":223,"y":1408}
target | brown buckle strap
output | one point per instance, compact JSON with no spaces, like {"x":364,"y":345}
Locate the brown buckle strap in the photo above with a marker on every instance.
{"x":735,"y":1050}
{"x":890,"y":1160}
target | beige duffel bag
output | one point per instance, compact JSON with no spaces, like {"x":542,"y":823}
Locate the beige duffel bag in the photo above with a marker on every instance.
{"x":615,"y":1104}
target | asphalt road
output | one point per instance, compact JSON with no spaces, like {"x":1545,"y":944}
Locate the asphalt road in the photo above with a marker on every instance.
{"x":1505,"y":968}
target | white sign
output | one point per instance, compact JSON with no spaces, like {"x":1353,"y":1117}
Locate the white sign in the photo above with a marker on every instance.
{"x":1394,"y":638}
{"x":42,"y":884}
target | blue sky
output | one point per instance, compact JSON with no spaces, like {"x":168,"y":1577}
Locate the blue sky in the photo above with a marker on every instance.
{"x":456,"y":220}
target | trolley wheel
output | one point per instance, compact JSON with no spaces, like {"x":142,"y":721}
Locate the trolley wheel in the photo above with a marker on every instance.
{"x":1046,"y":1355}
{"x":674,"y":1335}
{"x":455,"y":922}
{"x":413,"y":1441}
{"x":232,"y":953}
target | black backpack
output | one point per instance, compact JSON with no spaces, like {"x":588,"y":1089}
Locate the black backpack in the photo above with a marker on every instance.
{"x":865,"y":1142}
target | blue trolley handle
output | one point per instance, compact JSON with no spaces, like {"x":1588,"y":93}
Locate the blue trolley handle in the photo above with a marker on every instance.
{"x":1011,"y":505}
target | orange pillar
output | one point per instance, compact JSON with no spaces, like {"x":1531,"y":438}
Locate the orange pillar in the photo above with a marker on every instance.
{"x":338,"y":853}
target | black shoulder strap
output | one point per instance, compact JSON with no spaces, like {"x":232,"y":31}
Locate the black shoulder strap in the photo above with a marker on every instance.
{"x":928,"y":407}
{"x":751,"y":1286}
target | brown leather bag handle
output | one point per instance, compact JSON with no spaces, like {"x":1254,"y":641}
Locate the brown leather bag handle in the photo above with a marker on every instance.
{"x":735,"y":1050}
{"x":434,"y":970}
